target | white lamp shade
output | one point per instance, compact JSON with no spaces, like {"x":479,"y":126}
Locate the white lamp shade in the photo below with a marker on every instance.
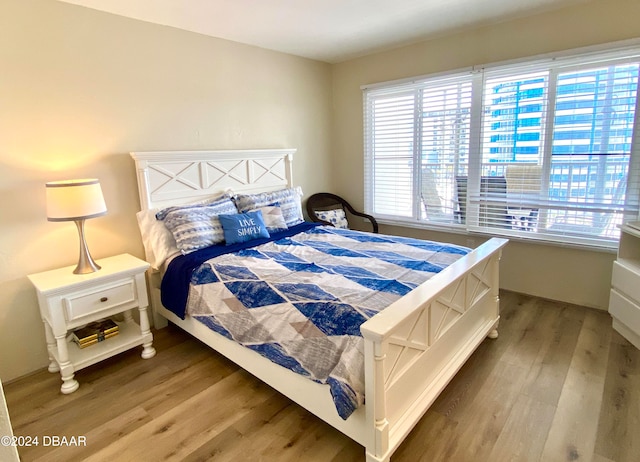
{"x":74,"y":200}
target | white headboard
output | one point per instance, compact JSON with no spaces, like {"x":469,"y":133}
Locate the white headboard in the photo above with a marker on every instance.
{"x":177,"y":177}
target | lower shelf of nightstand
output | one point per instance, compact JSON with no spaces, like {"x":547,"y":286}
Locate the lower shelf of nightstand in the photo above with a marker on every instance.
{"x":129,"y":336}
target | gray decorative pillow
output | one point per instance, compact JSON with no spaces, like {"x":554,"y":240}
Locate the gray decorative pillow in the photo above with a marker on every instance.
{"x":336,"y":217}
{"x":288,"y":199}
{"x":273,"y":218}
{"x":197,"y":226}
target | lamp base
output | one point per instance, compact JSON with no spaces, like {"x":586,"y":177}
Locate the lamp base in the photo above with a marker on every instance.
{"x":85,"y":262}
{"x":87,"y":267}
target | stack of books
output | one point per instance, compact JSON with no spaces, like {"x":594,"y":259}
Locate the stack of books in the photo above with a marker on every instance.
{"x":94,"y":333}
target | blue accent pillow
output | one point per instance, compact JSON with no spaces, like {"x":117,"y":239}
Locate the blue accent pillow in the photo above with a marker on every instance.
{"x":243,"y":227}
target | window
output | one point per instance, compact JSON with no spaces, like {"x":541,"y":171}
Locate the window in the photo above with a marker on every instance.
{"x":540,"y":150}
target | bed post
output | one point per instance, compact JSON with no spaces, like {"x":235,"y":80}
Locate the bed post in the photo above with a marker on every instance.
{"x":378,"y":447}
{"x":143,"y":179}
{"x":289,"y":168}
{"x":495,"y":292}
{"x":144,"y":193}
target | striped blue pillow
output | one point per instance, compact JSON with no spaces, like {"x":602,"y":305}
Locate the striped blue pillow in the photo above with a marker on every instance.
{"x":196,"y":227}
{"x":210,"y":200}
{"x":289,"y":201}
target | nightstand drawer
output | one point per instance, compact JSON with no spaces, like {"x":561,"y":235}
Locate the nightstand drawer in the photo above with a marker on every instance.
{"x":102,"y":298}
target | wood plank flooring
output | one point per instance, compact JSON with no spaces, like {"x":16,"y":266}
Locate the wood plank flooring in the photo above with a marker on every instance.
{"x":557,"y":385}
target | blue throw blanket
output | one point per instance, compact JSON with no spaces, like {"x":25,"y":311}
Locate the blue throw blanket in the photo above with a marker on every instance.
{"x":300,"y":298}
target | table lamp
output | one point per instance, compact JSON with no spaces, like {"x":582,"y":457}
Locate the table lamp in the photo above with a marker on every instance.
{"x":76,"y":200}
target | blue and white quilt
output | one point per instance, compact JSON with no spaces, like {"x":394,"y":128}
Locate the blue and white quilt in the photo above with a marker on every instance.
{"x":299,"y":300}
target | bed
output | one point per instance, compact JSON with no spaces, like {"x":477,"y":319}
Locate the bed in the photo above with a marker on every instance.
{"x":412,"y":349}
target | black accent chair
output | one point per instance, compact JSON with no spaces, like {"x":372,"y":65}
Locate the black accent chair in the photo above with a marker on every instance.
{"x":327,"y":201}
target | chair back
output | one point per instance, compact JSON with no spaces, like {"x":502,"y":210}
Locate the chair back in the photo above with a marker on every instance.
{"x":524,"y":179}
{"x":320,"y":202}
{"x":431,"y":200}
{"x":491,"y":188}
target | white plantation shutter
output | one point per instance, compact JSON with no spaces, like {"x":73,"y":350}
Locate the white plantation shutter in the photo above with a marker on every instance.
{"x":561,"y":136}
{"x":541,"y":150}
{"x":444,"y":134}
{"x":392,"y":126}
{"x":592,"y":138}
{"x":514,"y":113}
{"x":416,"y":143}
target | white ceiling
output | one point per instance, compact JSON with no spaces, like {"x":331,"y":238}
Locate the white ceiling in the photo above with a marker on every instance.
{"x":326,"y":30}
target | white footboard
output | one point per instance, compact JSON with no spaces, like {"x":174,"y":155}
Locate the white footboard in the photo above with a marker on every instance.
{"x":415,"y":347}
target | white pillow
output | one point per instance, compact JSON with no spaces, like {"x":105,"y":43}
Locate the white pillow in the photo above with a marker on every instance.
{"x":159,"y":243}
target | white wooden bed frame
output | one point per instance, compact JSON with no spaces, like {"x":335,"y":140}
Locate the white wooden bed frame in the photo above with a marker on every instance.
{"x":412,"y":349}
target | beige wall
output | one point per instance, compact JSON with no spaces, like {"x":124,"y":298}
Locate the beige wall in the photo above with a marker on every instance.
{"x":79,"y":89}
{"x":553,"y":272}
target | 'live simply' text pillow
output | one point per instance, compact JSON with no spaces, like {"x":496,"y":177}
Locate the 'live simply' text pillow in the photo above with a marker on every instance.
{"x":243,"y":227}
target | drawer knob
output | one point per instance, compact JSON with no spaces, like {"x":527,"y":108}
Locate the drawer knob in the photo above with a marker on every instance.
{"x":104,"y":299}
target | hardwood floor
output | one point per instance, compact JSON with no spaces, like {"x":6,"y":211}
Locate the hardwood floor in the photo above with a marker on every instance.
{"x":558,"y":384}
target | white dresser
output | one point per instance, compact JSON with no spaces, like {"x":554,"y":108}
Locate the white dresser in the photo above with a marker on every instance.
{"x":624,"y":302}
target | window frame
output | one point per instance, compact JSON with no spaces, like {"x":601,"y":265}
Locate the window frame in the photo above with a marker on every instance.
{"x":559,"y":63}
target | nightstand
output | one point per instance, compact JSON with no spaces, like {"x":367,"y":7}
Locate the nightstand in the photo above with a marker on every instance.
{"x":68,"y":301}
